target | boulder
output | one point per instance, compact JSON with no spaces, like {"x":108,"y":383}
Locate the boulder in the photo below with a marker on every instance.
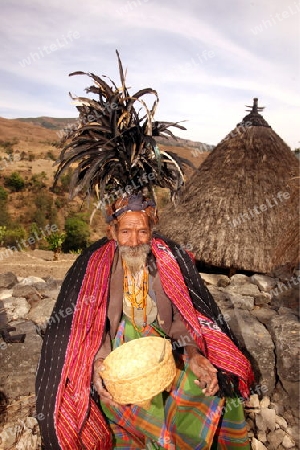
{"x":215,"y":279}
{"x":263,"y":282}
{"x":27,"y":291}
{"x":263,"y":299}
{"x":5,"y":293}
{"x":40,"y":313}
{"x":285,"y":330}
{"x":247,"y":289}
{"x":18,"y":362}
{"x":7,"y":280}
{"x":241,"y":301}
{"x":288,"y":442}
{"x":31,"y":280}
{"x":275,"y":438}
{"x":256,"y":339}
{"x":15,"y":308}
{"x":257,"y":445}
{"x":263,"y":315}
{"x":238,"y":279}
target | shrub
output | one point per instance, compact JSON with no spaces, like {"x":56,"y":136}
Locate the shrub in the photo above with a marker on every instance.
{"x":50,"y":155}
{"x":14,"y":182}
{"x":77,"y":233}
{"x":3,"y":230}
{"x":55,"y":242}
{"x":64,"y":182}
{"x":37,"y":181}
{"x":46,"y":211}
{"x":3,"y":194}
{"x":13,"y":237}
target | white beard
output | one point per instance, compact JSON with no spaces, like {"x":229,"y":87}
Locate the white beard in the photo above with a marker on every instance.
{"x":135,"y":258}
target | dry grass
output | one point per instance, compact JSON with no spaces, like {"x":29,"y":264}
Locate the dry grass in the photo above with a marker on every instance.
{"x":242,"y":172}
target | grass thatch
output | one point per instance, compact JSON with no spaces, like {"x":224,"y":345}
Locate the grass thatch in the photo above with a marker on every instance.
{"x":217,"y":216}
{"x":287,"y":252}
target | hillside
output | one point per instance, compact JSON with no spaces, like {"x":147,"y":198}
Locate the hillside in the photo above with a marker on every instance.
{"x":29,"y":147}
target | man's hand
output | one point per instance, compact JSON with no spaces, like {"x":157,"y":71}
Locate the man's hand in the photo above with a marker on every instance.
{"x":104,"y":395}
{"x":205,"y":372}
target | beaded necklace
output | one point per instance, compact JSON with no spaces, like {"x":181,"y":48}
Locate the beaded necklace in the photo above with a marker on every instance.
{"x":136,"y":292}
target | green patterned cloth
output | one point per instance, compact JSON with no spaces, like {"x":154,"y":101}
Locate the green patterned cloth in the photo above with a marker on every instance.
{"x":183,"y":419}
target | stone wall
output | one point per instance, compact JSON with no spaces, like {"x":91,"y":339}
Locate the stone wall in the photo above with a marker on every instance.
{"x":263,"y":312}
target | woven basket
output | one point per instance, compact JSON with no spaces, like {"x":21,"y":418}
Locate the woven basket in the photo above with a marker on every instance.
{"x":138,"y":370}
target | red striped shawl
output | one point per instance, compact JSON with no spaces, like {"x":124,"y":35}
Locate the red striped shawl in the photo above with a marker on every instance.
{"x":78,"y":421}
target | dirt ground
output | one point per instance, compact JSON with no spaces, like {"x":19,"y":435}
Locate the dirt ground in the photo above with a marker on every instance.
{"x":38,"y":263}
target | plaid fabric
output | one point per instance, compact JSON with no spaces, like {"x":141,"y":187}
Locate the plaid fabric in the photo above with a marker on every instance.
{"x":183,"y":419}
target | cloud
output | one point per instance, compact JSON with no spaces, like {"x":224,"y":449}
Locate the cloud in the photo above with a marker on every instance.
{"x":202,"y":58}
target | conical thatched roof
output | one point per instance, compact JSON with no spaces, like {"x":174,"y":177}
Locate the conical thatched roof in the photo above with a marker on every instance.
{"x":235,"y":209}
{"x":287,"y":251}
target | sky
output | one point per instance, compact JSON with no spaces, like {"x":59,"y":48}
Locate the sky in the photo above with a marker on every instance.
{"x":207,"y":59}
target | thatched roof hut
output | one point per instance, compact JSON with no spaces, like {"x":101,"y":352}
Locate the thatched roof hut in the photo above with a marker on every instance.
{"x":234,"y":209}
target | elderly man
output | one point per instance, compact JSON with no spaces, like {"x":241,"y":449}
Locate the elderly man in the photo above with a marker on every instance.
{"x":105,"y":291}
{"x":134,"y":284}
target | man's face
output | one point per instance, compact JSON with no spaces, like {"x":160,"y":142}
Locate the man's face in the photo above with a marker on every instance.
{"x":133,"y":229}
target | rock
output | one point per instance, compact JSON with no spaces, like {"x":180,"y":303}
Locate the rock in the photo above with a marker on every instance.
{"x":241,"y":301}
{"x":27,"y":291}
{"x":19,"y":361}
{"x":15,"y":308}
{"x":281,"y":422}
{"x":238,"y":279}
{"x":263,"y":299}
{"x":265,"y":402}
{"x":268,"y":416}
{"x":221,"y":298}
{"x":249,"y":424}
{"x":289,"y":417}
{"x":253,"y":401}
{"x":215,"y":279}
{"x":40,"y":313}
{"x":288,"y":442}
{"x":283,"y":311}
{"x":275,"y":438}
{"x":288,"y":297}
{"x":264,"y":282}
{"x":285,"y":334}
{"x":256,"y":339}
{"x":21,"y":428}
{"x":31,"y":280}
{"x":257,"y":445}
{"x":5,"y":293}
{"x":264,"y":315}
{"x":294,"y":433}
{"x":262,"y":436}
{"x":247,"y":289}
{"x":7,"y":280}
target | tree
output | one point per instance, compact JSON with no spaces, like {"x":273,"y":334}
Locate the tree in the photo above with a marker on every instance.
{"x":77,"y":233}
{"x":2,"y":234}
{"x":45,"y":211}
{"x":14,"y":182}
{"x":3,"y":194}
{"x":55,"y":241}
{"x":4,"y":214}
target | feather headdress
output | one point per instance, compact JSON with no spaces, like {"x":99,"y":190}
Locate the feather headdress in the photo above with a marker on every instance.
{"x":113,"y":149}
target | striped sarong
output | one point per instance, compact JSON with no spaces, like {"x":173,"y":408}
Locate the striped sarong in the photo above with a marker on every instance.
{"x":182,"y":419}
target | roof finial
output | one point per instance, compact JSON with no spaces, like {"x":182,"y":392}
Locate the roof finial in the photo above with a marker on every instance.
{"x":255,"y":109}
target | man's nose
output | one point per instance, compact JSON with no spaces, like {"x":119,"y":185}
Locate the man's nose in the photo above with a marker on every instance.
{"x":134,"y":239}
